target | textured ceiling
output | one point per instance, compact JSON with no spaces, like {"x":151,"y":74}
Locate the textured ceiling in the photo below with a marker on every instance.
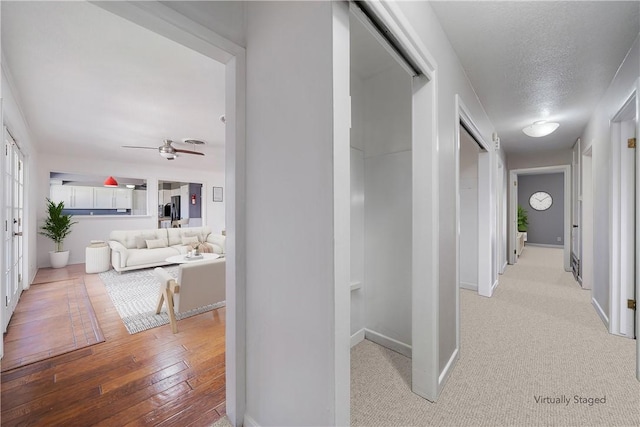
{"x":540,"y":60}
{"x":89,"y":82}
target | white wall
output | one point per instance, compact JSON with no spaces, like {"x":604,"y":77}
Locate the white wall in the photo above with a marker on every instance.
{"x":357,"y":205}
{"x":451,"y":80}
{"x":387,"y":201}
{"x":468,"y":211}
{"x":539,"y":159}
{"x":290,"y":305}
{"x":96,"y":227}
{"x":597,"y":135}
{"x":357,"y":241}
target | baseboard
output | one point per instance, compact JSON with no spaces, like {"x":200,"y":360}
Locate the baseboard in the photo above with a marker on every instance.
{"x":357,"y":338}
{"x":469,"y":286}
{"x":542,"y":245}
{"x":448,"y":368}
{"x":390,"y":343}
{"x":494,"y":286}
{"x":504,"y":266}
{"x":250,"y":422}
{"x":600,"y":312}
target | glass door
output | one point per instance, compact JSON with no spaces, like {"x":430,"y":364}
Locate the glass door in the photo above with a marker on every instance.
{"x":13,"y":220}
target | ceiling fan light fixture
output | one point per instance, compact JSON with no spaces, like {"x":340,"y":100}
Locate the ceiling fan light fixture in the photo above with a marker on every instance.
{"x":540,"y":128}
{"x":168,"y":155}
{"x":110,"y":182}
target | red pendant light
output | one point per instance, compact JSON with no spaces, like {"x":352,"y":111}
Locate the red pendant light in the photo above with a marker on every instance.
{"x":110,"y":182}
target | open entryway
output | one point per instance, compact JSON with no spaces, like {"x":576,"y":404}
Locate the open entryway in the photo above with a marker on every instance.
{"x":537,"y":199}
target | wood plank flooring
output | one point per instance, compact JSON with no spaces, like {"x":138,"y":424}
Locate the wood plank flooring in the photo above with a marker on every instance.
{"x":151,"y":378}
{"x":52,"y":319}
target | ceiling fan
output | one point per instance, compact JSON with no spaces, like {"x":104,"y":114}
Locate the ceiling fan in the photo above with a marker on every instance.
{"x":168,"y":151}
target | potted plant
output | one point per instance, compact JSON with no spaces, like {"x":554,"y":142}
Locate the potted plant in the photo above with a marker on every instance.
{"x":57,"y":227}
{"x":523,"y":219}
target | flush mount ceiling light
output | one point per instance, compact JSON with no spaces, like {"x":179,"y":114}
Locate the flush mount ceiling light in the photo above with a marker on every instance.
{"x":131,"y":186}
{"x":110,"y":182}
{"x":540,"y":128}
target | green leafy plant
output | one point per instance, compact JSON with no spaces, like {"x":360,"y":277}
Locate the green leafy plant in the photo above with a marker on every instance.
{"x":57,"y":225}
{"x":523,"y":219}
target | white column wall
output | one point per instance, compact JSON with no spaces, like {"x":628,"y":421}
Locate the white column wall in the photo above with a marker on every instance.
{"x":290,"y":304}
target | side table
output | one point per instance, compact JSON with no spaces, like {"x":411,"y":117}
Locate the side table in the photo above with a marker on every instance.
{"x":97,"y":257}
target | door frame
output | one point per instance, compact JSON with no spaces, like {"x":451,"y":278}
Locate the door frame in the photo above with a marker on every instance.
{"x":427,"y":381}
{"x":8,"y":231}
{"x":513,"y":208}
{"x":165,"y":21}
{"x":486,"y":263}
{"x":620,"y":321}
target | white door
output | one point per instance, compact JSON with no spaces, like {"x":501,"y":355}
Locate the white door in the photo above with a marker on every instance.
{"x":12,"y":274}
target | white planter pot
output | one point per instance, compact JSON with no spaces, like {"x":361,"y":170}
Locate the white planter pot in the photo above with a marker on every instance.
{"x":59,"y":259}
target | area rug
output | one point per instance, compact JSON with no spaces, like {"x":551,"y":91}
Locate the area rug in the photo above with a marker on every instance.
{"x":51,"y":319}
{"x":135,"y":295}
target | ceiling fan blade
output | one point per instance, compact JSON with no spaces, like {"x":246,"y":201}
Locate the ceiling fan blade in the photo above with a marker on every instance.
{"x":137,"y":146}
{"x":178,"y":150}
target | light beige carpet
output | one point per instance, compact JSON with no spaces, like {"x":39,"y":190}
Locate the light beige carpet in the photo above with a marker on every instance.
{"x":538,"y":336}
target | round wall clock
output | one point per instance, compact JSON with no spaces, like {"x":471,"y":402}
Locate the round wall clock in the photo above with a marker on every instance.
{"x":540,"y":200}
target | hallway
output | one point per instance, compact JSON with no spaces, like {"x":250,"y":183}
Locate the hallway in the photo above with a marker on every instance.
{"x":537,"y":340}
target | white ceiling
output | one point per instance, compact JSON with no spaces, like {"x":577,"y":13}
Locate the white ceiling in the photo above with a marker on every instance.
{"x":89,"y":82}
{"x":535,"y":60}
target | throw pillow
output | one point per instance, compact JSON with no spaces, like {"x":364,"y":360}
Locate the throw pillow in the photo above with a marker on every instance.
{"x":141,"y":241}
{"x":187,"y":240}
{"x":157,"y":243}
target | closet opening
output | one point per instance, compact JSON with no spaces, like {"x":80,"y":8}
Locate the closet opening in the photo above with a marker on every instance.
{"x":388,"y":92}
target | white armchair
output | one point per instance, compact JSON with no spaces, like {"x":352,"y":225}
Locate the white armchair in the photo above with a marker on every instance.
{"x":199,"y":283}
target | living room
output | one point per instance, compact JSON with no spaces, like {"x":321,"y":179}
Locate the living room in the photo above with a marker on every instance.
{"x":121,"y":91}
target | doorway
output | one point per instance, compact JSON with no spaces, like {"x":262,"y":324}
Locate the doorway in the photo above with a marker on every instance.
{"x":623,"y":213}
{"x":398,"y":154}
{"x":514,"y":174}
{"x":476,"y":213}
{"x":13,"y":264}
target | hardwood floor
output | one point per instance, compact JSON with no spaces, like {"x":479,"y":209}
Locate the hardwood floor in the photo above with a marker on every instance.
{"x":52,"y":319}
{"x":154,"y":377}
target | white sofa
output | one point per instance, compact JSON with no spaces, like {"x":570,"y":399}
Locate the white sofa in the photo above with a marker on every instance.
{"x":134,"y":249}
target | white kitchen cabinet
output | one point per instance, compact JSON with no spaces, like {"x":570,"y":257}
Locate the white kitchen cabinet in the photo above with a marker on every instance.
{"x":82,"y":198}
{"x":60,"y":193}
{"x":74,"y":197}
{"x":123,"y":198}
{"x":112,"y":198}
{"x":103,"y":198}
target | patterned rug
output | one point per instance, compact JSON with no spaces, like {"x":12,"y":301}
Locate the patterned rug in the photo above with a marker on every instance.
{"x":135,"y":295}
{"x":30,"y":337}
